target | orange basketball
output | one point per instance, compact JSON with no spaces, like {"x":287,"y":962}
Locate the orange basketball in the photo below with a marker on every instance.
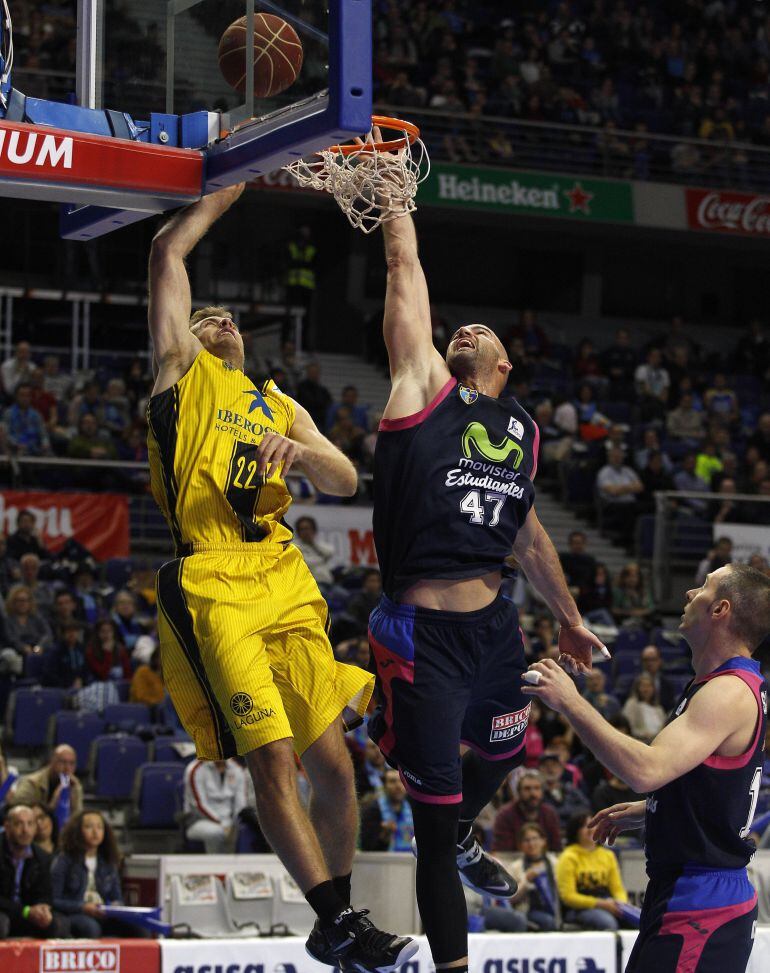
{"x":277,"y":55}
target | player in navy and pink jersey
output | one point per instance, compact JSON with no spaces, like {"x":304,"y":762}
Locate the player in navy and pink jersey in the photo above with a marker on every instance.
{"x":453,"y":477}
{"x":701,"y":774}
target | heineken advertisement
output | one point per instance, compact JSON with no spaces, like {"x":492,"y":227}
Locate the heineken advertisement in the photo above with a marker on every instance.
{"x":527,"y":193}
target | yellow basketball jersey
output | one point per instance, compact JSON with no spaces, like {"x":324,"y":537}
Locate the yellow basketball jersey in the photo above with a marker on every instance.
{"x":203,"y":437}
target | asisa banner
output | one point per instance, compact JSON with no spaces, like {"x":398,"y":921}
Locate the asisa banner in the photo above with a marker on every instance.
{"x":526,"y":953}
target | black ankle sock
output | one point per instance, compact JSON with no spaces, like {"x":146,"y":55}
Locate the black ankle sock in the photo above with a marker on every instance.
{"x":342,"y":887}
{"x":463,"y":831}
{"x":325,"y":901}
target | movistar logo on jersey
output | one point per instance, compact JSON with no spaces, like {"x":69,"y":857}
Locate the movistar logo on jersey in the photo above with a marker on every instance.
{"x":468,"y":396}
{"x":259,"y":403}
{"x":476,"y":435}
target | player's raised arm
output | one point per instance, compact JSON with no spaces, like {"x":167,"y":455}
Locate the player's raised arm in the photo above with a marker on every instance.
{"x":537,"y":556}
{"x":407,"y":325}
{"x":174,"y":346}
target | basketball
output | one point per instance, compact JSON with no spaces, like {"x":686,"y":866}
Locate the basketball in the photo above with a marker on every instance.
{"x":277,"y":55}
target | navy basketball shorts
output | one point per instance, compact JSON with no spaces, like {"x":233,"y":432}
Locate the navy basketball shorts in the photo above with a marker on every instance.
{"x":699,"y":921}
{"x":446,"y":678}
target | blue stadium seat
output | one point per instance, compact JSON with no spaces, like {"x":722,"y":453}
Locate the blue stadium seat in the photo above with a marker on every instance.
{"x":34,"y":666}
{"x":123,"y":687}
{"x":117,"y":571}
{"x":645,"y":535}
{"x":114,"y":761}
{"x":165,"y":750}
{"x":79,"y":730}
{"x":28,"y":713}
{"x":633,"y":639}
{"x":156,"y":795}
{"x":127,"y":716}
{"x":168,"y":715}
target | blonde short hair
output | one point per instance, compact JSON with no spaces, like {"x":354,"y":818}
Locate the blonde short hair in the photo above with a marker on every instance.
{"x":214,"y":311}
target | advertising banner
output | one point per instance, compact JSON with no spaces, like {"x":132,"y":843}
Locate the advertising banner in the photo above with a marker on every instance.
{"x":507,"y":191}
{"x":723,"y":211}
{"x":80,"y":956}
{"x":347,"y":529}
{"x":528,"y":193}
{"x":747,"y":539}
{"x":99,"y":521}
{"x":488,"y":953}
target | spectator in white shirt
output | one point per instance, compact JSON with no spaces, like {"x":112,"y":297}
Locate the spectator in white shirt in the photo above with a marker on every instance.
{"x":652,"y":386}
{"x":618,"y":486}
{"x":214,"y":794}
{"x":17,"y":369}
{"x":318,"y":555}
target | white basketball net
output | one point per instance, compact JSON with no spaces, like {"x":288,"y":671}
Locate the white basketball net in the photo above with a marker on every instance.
{"x":370,"y":187}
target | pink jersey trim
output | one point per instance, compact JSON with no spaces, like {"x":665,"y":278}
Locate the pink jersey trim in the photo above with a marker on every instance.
{"x":406,"y":422}
{"x":535,"y":450}
{"x":697,"y":927}
{"x":399,"y":669}
{"x":740,"y":760}
{"x":494,"y":756}
{"x":429,"y":798}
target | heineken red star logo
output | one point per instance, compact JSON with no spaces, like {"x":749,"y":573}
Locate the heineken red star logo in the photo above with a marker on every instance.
{"x":579,"y":199}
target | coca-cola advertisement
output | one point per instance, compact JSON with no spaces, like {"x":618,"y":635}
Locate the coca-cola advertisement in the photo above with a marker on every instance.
{"x":723,"y":211}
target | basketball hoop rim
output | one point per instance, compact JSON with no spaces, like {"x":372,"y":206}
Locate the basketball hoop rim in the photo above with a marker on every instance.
{"x":412,"y":133}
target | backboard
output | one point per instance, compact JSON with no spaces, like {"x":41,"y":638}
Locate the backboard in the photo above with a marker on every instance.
{"x":148,"y":72}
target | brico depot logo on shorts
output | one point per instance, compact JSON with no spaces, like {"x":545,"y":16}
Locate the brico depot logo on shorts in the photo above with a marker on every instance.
{"x":71,"y":958}
{"x":509,"y":725}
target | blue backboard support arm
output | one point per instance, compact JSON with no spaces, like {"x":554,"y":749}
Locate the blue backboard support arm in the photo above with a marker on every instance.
{"x":264,"y":145}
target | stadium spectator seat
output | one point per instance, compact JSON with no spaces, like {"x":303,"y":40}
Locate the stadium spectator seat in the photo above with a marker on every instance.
{"x":117,"y":571}
{"x":29,"y":710}
{"x":166,"y":750}
{"x":123,"y":687}
{"x":34,"y":666}
{"x":631,"y":640}
{"x":125,"y":717}
{"x":156,"y":795}
{"x":79,"y":730}
{"x":113,"y":762}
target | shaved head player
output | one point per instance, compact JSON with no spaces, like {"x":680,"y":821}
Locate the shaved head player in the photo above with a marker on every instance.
{"x":453,"y":497}
{"x":242,"y":623}
{"x":702,"y":775}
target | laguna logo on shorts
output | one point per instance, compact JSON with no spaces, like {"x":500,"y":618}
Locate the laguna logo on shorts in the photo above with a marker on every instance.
{"x":242,"y":706}
{"x":509,"y":725}
{"x":468,"y":396}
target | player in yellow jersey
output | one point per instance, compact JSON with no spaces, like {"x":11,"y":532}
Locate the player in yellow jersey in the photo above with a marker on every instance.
{"x":242,"y":624}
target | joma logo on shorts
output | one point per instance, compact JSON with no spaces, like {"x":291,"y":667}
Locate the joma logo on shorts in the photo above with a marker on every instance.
{"x":255,"y":716}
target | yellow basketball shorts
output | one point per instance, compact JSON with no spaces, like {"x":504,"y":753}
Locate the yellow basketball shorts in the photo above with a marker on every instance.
{"x":244,"y":650}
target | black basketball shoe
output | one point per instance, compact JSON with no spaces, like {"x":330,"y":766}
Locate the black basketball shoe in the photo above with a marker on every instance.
{"x":483,"y":873}
{"x":353,"y":942}
{"x":480,"y":871}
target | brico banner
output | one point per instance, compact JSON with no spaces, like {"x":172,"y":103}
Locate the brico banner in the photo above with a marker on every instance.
{"x":68,"y":956}
{"x":720,"y":211}
{"x":98,"y":521}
